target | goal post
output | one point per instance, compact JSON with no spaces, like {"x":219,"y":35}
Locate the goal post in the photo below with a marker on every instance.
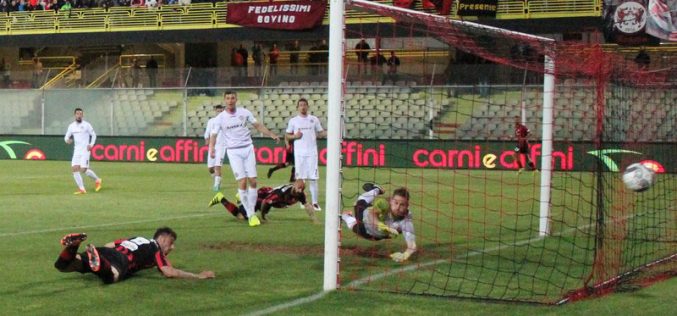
{"x":485,"y":227}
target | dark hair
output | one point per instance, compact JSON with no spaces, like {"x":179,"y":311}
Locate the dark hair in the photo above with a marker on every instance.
{"x":164,"y":231}
{"x":229,"y":92}
{"x":403,"y":192}
{"x":77,"y":109}
{"x":302,"y":100}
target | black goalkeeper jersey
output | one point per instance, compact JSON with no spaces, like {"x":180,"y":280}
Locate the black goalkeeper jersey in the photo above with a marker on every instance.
{"x":141,"y":253}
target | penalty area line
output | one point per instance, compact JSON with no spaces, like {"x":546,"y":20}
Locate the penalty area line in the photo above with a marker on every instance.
{"x":51,"y":230}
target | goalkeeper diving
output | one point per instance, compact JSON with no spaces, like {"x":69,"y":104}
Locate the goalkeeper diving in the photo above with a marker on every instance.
{"x":379,"y":218}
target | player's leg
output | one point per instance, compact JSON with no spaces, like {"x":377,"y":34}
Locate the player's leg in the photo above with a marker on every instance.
{"x":75,"y":168}
{"x":292,"y":176}
{"x":219,"y":198}
{"x":313,"y":176}
{"x":218,"y":163}
{"x":109,"y":265}
{"x":252,"y":194}
{"x":89,"y":172}
{"x":277,"y":167}
{"x":69,"y":260}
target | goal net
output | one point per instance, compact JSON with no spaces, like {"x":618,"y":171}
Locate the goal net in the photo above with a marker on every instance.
{"x":441,"y":122}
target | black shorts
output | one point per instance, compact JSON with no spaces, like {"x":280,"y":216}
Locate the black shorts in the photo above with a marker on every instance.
{"x":116,"y":259}
{"x":522,"y":148}
{"x":289,"y":159}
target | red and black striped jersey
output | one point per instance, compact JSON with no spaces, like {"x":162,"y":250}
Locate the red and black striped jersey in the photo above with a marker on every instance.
{"x":141,"y":253}
{"x":279,"y":197}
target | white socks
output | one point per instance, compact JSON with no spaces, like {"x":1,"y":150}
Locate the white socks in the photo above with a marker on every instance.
{"x":252,"y":195}
{"x":78,"y":180}
{"x":90,"y":173}
{"x":217,"y":181}
{"x":350,"y":220}
{"x":244,"y":199}
{"x":312,"y":184}
{"x":369,"y":196}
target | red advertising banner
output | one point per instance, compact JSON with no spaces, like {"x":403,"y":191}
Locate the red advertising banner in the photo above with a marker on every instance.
{"x":279,"y":15}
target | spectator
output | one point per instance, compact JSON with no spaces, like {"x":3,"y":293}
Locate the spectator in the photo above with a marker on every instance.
{"x":236,"y":60}
{"x":151,"y":4}
{"x":66,"y":6}
{"x":643,"y":59}
{"x":377,"y":61}
{"x":4,"y":6}
{"x":362,"y":51}
{"x":313,"y":59}
{"x":294,"y":57}
{"x":37,"y":73}
{"x":257,"y":56}
{"x":323,"y":56}
{"x":245,"y":56}
{"x":393,"y":62}
{"x":151,"y":69}
{"x":184,"y":2}
{"x":136,"y":73}
{"x":272,"y":59}
{"x":6,"y":70}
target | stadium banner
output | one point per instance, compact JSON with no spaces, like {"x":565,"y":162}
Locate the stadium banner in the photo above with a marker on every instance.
{"x":626,"y":23}
{"x":278,"y":15}
{"x":484,"y":155}
{"x":477,"y":8}
{"x":662,"y":19}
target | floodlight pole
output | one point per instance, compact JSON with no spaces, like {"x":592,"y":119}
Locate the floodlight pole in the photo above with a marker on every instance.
{"x":334,"y":96}
{"x":546,"y":141}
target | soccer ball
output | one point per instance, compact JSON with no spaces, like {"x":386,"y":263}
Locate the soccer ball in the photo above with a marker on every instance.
{"x":638,"y":177}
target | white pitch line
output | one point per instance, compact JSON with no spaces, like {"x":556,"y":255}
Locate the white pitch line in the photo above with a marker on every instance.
{"x":362,"y":281}
{"x":50,"y":230}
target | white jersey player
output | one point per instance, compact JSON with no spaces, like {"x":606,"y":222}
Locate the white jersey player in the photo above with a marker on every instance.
{"x":233,"y":123}
{"x":82,"y":135}
{"x":304,"y":129}
{"x":214,"y":164}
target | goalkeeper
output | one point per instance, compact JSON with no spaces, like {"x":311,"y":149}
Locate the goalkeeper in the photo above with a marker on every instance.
{"x":377,"y":219}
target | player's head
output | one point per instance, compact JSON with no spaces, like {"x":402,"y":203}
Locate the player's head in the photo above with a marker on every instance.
{"x":218,"y":108}
{"x":302,"y":106}
{"x":230,"y":98}
{"x":299,"y":186}
{"x":399,"y":202}
{"x":78,"y":114}
{"x":517,"y":120}
{"x":165,"y":237}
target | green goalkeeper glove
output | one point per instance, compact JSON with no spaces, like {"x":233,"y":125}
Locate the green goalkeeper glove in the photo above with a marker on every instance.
{"x":392,"y":232}
{"x":400,"y":256}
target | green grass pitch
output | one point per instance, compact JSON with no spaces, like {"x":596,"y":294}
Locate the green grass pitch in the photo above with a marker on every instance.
{"x":256,"y":268}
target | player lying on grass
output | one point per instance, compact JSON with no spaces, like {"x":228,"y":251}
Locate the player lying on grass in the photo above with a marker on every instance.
{"x":279,"y":197}
{"x":120,"y":259}
{"x":383,"y":218}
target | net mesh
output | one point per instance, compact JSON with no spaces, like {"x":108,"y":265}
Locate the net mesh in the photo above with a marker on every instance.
{"x":441,"y":123}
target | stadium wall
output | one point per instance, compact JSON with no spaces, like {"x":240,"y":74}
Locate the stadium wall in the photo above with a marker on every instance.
{"x":491,"y":155}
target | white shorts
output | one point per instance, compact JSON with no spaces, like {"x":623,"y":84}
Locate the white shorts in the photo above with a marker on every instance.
{"x":81,"y":158}
{"x":218,"y":160}
{"x":306,"y":167}
{"x":242,"y":162}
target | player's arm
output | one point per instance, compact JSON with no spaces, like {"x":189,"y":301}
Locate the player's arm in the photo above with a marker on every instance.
{"x":212,"y":143}
{"x":69,"y":136}
{"x":92,"y":138}
{"x":265,"y":131}
{"x":171,"y":272}
{"x":322,"y":134}
{"x":410,"y":238}
{"x":208,"y":133}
